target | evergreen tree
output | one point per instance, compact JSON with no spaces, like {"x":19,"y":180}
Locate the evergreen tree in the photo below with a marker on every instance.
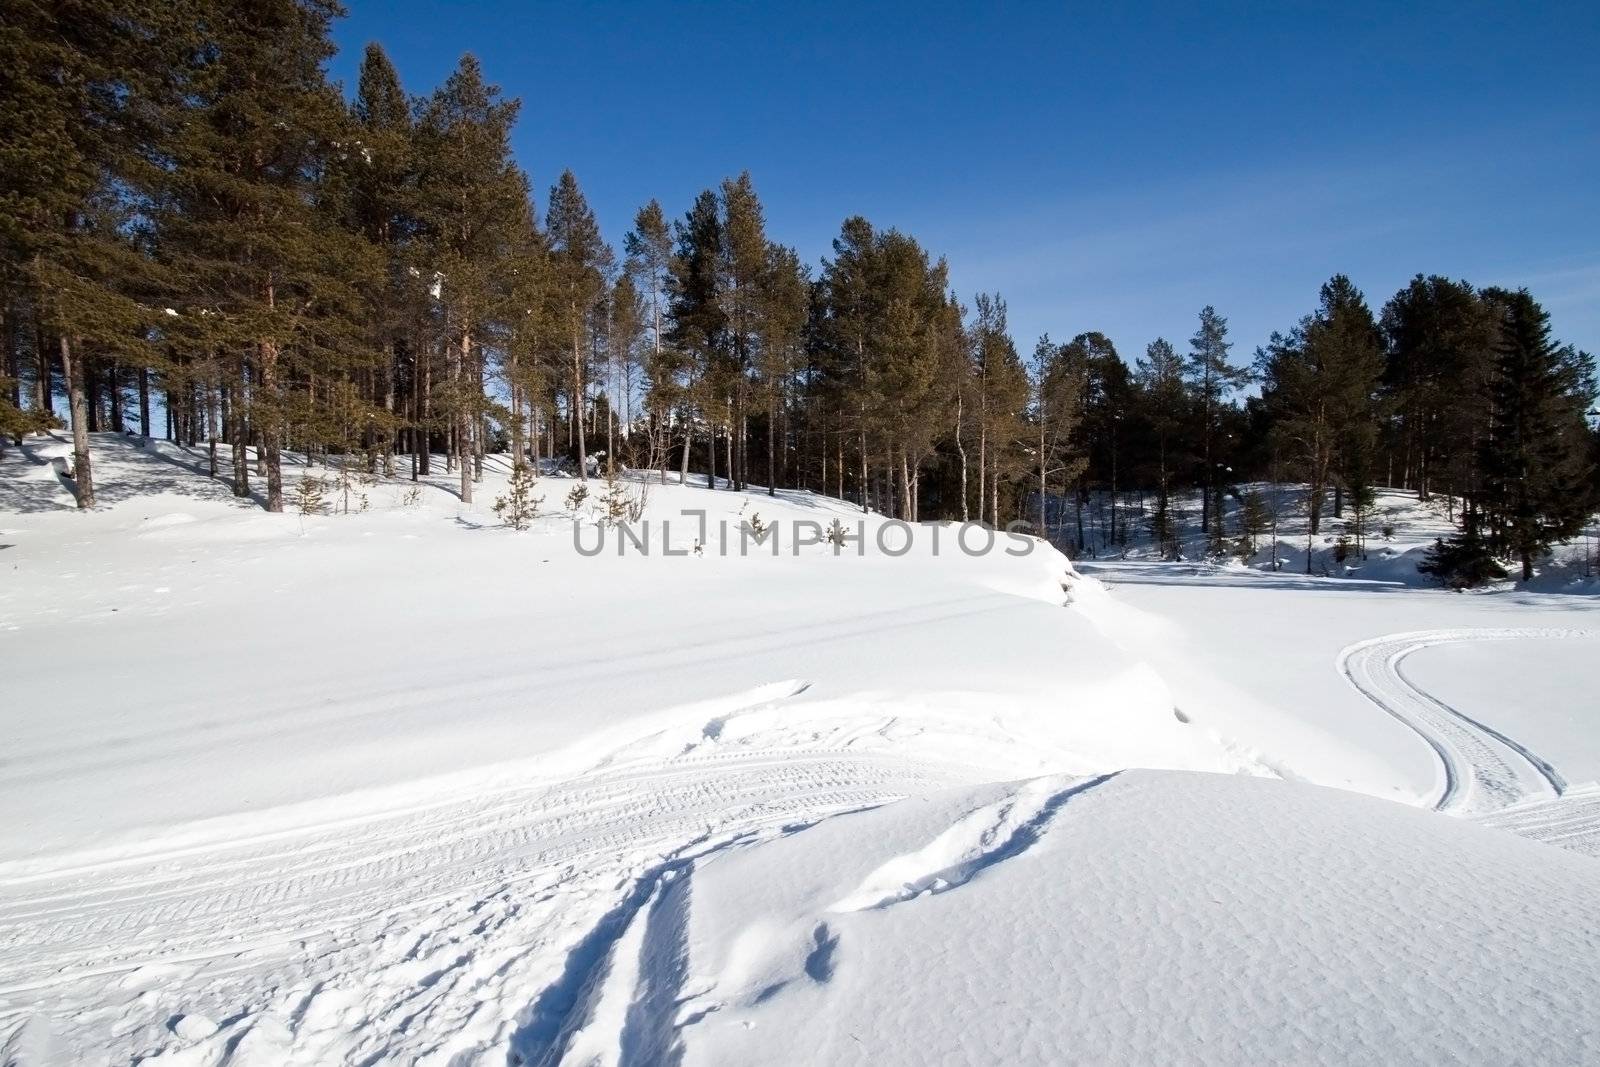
{"x":699,"y":319}
{"x":649,"y":262}
{"x":1165,"y":411}
{"x":1212,"y":381}
{"x":580,"y":266}
{"x":474,"y":210}
{"x":1535,"y":457}
{"x":785,"y":300}
{"x":1440,"y":351}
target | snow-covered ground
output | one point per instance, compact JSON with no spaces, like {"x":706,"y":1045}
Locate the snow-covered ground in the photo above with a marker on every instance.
{"x":407,"y":786}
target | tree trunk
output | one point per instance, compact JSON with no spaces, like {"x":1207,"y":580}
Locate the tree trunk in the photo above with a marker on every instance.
{"x":82,"y":475}
{"x":962,"y":449}
{"x":114,"y":395}
{"x":577,"y":397}
{"x":772,"y":444}
{"x":43,"y":393}
{"x":424,"y":444}
{"x":864,"y":483}
{"x":144,"y":401}
{"x":683,"y":461}
{"x":272,"y":426}
{"x":213,"y":401}
{"x":463,"y":423}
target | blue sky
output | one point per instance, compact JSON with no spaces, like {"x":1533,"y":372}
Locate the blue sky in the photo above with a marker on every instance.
{"x":1100,"y":166}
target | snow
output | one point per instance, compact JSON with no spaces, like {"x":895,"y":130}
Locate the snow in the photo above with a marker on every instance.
{"x":404,"y":785}
{"x":1143,"y":917}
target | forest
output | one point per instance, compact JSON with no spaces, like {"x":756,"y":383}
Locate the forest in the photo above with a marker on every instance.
{"x":205,"y":239}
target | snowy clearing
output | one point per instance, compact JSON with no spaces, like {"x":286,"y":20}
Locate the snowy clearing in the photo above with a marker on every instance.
{"x":403,"y":786}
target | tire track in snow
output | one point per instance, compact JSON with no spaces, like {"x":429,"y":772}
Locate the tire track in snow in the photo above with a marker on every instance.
{"x":225,"y":900}
{"x":1481,"y":769}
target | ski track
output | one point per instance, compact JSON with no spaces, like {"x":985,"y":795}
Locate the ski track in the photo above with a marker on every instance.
{"x":393,"y":911}
{"x":1482,"y":771}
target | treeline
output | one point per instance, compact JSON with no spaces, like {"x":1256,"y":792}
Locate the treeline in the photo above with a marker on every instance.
{"x":199,"y":229}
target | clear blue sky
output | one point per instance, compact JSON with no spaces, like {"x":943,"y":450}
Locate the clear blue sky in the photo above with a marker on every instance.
{"x":1103,"y":169}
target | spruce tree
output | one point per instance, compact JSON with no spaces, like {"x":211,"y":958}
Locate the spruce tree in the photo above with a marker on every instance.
{"x":1535,"y":458}
{"x":580,"y":265}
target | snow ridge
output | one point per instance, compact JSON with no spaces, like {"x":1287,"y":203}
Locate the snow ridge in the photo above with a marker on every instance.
{"x":981,"y":839}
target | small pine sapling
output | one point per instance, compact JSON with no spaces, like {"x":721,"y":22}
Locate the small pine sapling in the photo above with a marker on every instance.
{"x":1253,"y":522}
{"x":614,"y":502}
{"x":576,"y":496}
{"x":310,"y":495}
{"x":518,"y":507}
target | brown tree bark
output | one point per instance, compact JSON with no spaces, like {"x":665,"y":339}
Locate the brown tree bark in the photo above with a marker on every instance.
{"x":77,"y":402}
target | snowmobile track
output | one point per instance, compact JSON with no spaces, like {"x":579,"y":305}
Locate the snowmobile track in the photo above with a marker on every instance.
{"x":1481,"y":769}
{"x":199,"y":903}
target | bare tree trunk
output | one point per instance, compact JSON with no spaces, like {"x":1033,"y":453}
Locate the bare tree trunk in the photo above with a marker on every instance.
{"x":772,"y":443}
{"x":711,"y":457}
{"x":463,"y":423}
{"x":905,"y":485}
{"x":577,"y":396}
{"x":862,"y":440}
{"x":271,"y":426}
{"x":241,"y":457}
{"x":961,"y":448}
{"x":13,"y":363}
{"x":212,"y":403}
{"x":425,"y":405}
{"x":43,"y":393}
{"x":144,"y":401}
{"x":77,"y":402}
{"x":688,"y":443}
{"x":114,"y":395}
{"x":983,"y":467}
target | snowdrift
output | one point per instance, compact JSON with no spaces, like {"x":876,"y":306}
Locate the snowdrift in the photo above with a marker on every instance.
{"x":1142,"y":917}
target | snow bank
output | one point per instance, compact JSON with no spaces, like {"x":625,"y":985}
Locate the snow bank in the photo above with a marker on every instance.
{"x":1145,"y":917}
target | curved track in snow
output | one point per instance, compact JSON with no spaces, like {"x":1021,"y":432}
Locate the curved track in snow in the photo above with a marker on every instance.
{"x":1481,"y":769}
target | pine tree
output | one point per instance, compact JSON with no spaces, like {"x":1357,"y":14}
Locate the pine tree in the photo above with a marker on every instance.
{"x":699,"y":320}
{"x":649,"y":262}
{"x":1165,"y":411}
{"x":1212,"y":380}
{"x":474,"y":209}
{"x":380,"y":184}
{"x":785,"y":300}
{"x":263,"y":279}
{"x":80,"y":85}
{"x":743,"y":269}
{"x":580,"y":264}
{"x":1440,"y":349}
{"x":1535,"y":458}
{"x":1058,"y":402}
